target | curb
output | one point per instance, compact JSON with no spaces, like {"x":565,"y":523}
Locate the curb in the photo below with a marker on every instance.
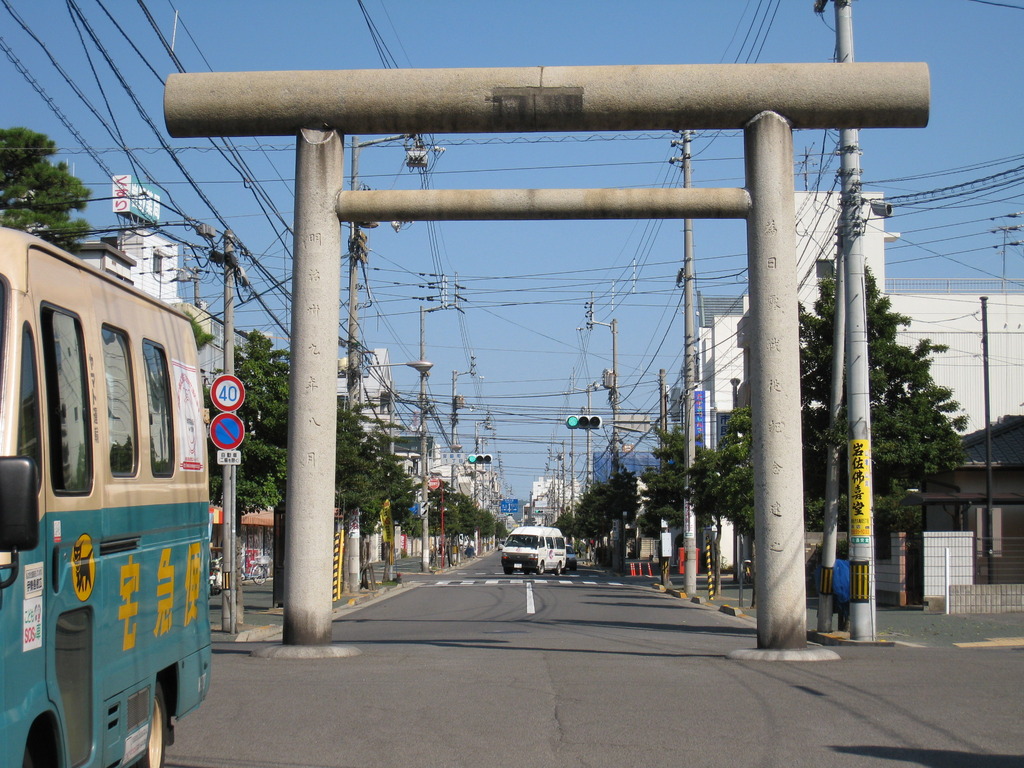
{"x":727,"y":609}
{"x":837,"y":639}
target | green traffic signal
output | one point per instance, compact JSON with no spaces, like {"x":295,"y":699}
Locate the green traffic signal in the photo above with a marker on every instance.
{"x":479,"y":458}
{"x":583,"y":422}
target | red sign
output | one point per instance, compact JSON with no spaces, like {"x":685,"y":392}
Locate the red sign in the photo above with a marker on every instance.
{"x":227,"y":393}
{"x":227,"y":431}
{"x":434,"y":483}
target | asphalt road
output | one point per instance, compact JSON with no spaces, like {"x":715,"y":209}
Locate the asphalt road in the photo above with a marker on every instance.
{"x":474,"y":668}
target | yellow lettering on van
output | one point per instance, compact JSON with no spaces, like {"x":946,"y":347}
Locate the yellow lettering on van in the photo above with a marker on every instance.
{"x":129,"y":607}
{"x":164,"y":594}
{"x":193,"y":577}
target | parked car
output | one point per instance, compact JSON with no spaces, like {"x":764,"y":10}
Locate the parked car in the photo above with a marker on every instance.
{"x":570,"y":557}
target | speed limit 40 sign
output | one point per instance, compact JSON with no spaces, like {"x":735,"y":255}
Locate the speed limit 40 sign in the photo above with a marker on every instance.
{"x":227,"y":393}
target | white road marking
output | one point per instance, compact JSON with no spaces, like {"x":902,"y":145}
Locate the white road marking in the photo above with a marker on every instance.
{"x":529,"y":598}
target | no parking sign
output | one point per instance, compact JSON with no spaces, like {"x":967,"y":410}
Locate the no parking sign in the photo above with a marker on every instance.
{"x":227,"y":431}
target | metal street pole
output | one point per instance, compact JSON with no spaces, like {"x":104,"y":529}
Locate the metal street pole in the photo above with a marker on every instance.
{"x":230,"y":603}
{"x":862,"y":592}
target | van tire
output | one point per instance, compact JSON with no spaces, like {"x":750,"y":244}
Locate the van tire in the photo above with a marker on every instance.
{"x":158,"y":732}
{"x":540,"y":568}
{"x":508,"y":571}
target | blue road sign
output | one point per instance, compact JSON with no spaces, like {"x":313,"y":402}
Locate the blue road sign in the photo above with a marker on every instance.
{"x":510,"y":507}
{"x":227,"y":431}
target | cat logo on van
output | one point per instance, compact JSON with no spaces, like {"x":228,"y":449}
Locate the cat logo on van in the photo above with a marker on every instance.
{"x":534,"y":548}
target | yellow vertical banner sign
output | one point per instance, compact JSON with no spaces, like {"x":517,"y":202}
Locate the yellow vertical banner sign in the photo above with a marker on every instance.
{"x":339,"y":550}
{"x":860,"y":490}
{"x":385,"y":521}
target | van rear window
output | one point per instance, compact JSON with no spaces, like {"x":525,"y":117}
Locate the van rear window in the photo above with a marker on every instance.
{"x":521,"y":540}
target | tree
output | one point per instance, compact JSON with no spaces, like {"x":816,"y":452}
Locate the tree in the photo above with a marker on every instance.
{"x":719,"y":483}
{"x":367,"y":473}
{"x":604,"y":502}
{"x":37,"y":196}
{"x":261,"y":477}
{"x":913,"y":426}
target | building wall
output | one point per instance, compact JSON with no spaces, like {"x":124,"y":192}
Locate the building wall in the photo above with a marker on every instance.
{"x":157,"y":261}
{"x":951,"y":315}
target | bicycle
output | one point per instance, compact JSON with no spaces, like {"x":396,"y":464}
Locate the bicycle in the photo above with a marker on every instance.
{"x":259,"y":570}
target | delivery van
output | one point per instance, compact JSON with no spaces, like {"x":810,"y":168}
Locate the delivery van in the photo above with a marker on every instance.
{"x":534,"y":548}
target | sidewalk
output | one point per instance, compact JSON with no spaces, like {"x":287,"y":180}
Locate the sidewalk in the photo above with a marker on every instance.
{"x":907,"y":626}
{"x":262,"y":621}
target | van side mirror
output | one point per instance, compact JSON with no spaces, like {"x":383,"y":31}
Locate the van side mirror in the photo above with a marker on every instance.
{"x":19,"y":503}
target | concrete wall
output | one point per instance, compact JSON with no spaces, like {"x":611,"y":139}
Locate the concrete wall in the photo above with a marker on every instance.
{"x":986,"y":598}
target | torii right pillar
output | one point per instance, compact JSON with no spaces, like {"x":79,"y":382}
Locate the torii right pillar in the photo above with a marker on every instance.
{"x":775,"y":396}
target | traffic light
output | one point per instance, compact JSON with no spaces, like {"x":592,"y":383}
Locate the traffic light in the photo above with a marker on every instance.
{"x":583,"y":422}
{"x":479,"y":458}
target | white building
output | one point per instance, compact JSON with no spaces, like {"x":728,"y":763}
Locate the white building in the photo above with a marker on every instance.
{"x":947,"y":311}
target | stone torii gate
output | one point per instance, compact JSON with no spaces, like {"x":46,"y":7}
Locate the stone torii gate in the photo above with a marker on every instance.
{"x":766,"y":101}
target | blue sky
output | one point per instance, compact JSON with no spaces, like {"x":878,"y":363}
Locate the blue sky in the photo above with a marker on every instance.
{"x":525,"y":285}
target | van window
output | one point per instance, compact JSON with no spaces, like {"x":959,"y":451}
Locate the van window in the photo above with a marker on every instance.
{"x":67,"y":399}
{"x":521,"y":540}
{"x":160,"y":430}
{"x":550,"y":542}
{"x":120,"y":402}
{"x":559,"y":542}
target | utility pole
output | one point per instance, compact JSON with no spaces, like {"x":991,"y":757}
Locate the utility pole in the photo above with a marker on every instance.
{"x":665,"y":552}
{"x":613,"y":395}
{"x":987,"y":530}
{"x":611,"y":383}
{"x":424,"y":370}
{"x":589,"y":463}
{"x":689,"y":371}
{"x":358,"y":254}
{"x":830,"y":525}
{"x":862,"y":577}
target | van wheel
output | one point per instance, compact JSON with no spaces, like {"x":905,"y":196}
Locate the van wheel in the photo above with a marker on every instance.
{"x":540,"y":568}
{"x":157,"y":732}
{"x":508,"y":571}
{"x":558,"y":569}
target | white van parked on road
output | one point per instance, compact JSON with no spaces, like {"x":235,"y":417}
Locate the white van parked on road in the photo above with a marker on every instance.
{"x":534,"y":548}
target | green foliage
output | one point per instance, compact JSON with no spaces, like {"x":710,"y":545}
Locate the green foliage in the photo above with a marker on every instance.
{"x":202,"y":337}
{"x":665,"y":486}
{"x":35,"y":195}
{"x":720,"y":483}
{"x":367,"y":473}
{"x":261,"y":478}
{"x":461,"y":515}
{"x":913,"y":422}
{"x":604,"y":502}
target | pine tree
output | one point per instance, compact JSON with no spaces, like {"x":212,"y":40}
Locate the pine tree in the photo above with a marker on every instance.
{"x":37,"y":196}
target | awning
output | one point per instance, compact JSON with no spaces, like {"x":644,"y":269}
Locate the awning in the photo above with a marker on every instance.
{"x":266,"y":517}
